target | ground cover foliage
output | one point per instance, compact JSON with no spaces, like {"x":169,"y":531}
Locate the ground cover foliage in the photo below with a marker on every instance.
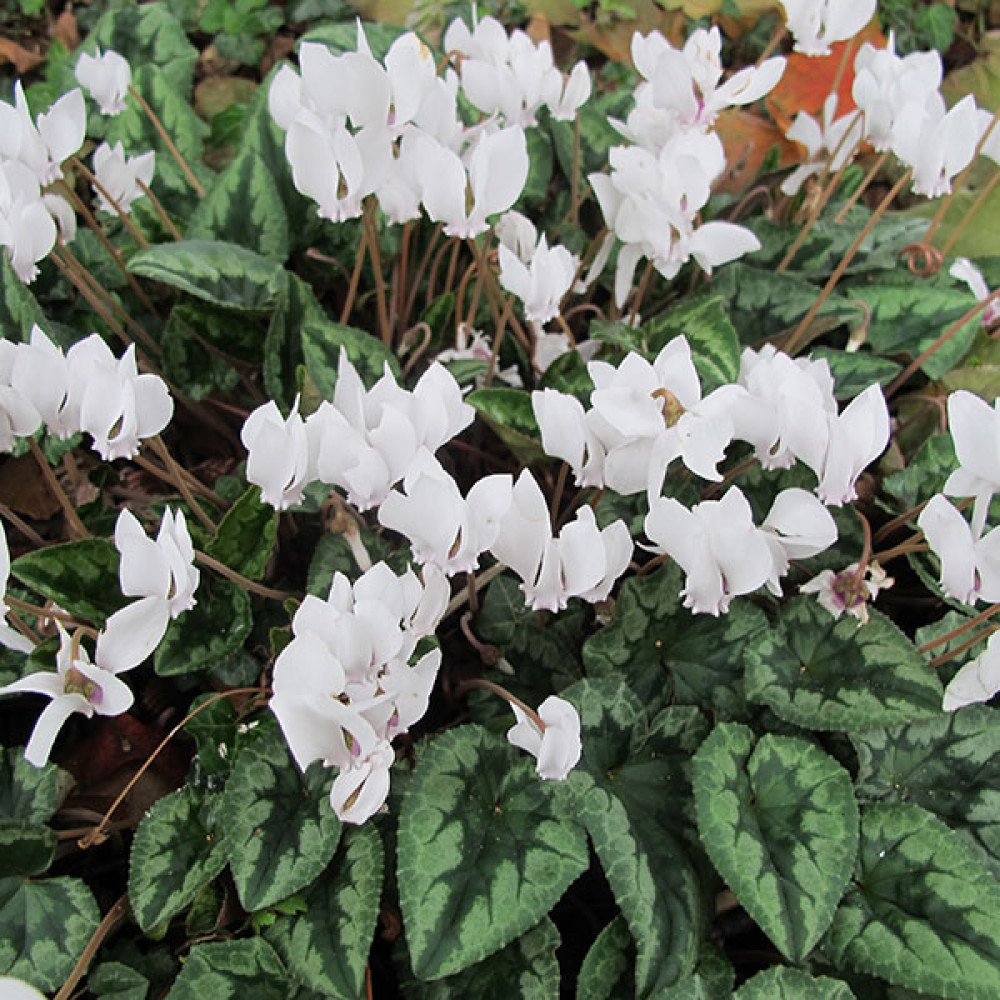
{"x":767,"y":797}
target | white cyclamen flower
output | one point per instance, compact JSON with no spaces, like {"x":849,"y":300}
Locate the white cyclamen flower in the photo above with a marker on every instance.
{"x":9,"y":636}
{"x":42,"y":145}
{"x":964,"y":270}
{"x":40,"y":372}
{"x":849,"y":590}
{"x":106,"y":78}
{"x":817,"y":24}
{"x":120,"y":176}
{"x":970,"y":563}
{"x":975,"y":430}
{"x":18,"y":415}
{"x":27,"y":228}
{"x":278,"y":459}
{"x":541,"y":283}
{"x":557,"y":746}
{"x":977,"y":681}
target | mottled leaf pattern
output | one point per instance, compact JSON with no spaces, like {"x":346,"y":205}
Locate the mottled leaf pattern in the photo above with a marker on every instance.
{"x":174,"y":853}
{"x":44,"y":927}
{"x":245,"y":536}
{"x":783,"y":983}
{"x":27,"y":792}
{"x":607,"y":972}
{"x":827,"y":673}
{"x":280,"y":829}
{"x":485,"y":850}
{"x":922,"y":911}
{"x":326,"y":945}
{"x":779,"y":821}
{"x":232,"y":970}
{"x":633,"y":795}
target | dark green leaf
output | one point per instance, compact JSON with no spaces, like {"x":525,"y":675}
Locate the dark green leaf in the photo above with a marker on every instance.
{"x":174,"y":853}
{"x":243,"y":206}
{"x":232,"y":970}
{"x":322,"y":342}
{"x":654,"y":643}
{"x":296,"y":305}
{"x":950,"y":765}
{"x":326,"y":945}
{"x":926,"y":473}
{"x":30,"y":793}
{"x":854,"y":372}
{"x":343,"y":37}
{"x":333,"y":554}
{"x":279,"y":825}
{"x":607,"y":971}
{"x":527,"y":964}
{"x":704,"y":321}
{"x":44,"y":927}
{"x":19,"y":311}
{"x":826,"y":673}
{"x":25,"y":848}
{"x":779,"y":821}
{"x":215,"y":628}
{"x":631,"y":786}
{"x":225,"y":274}
{"x":189,"y":361}
{"x":908,"y":318}
{"x":509,"y":414}
{"x":568,"y":373}
{"x":536,"y":187}
{"x":245,"y":536}
{"x":148,"y":35}
{"x":485,"y":850}
{"x":81,"y":577}
{"x":783,"y":983}
{"x":922,"y":912}
{"x":214,"y":733}
{"x":115,"y":981}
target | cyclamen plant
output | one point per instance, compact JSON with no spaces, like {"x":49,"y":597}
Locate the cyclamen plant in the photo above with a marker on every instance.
{"x":367,"y":675}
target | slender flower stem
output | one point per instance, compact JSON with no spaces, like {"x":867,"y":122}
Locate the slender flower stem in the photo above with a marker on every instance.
{"x":481,"y":682}
{"x":862,"y":187}
{"x":26,"y":529}
{"x":483,"y":578}
{"x":505,"y":315}
{"x":92,"y":224}
{"x":968,"y":644}
{"x":38,"y":611}
{"x":842,"y":66}
{"x":866,"y":548}
{"x":370,"y":223}
{"x":959,"y":181}
{"x":890,"y":526}
{"x":640,"y":292}
{"x":177,"y":476}
{"x":414,"y":286}
{"x":404,"y":265}
{"x":574,"y":195}
{"x":903,"y":549}
{"x":160,"y":210}
{"x":819,"y":205}
{"x":964,"y":627}
{"x":195,"y":484}
{"x":167,"y":141}
{"x":230,"y":574}
{"x":112,"y":920}
{"x":352,"y":288}
{"x":972,"y":213}
{"x":96,"y":834}
{"x":838,"y":273}
{"x":81,"y":284}
{"x":122,"y":214}
{"x":557,"y":494}
{"x":77,"y":527}
{"x":22,"y":626}
{"x":776,"y":39}
{"x":915,"y":364}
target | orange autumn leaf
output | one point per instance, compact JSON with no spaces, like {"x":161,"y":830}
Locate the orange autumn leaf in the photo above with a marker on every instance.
{"x":808,"y":80}
{"x":751,"y":141}
{"x":20,"y":57}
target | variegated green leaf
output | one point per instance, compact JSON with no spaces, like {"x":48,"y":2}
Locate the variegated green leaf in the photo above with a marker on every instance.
{"x":922,"y":910}
{"x":779,"y":821}
{"x":485,"y":850}
{"x":826,"y":673}
{"x":783,"y":983}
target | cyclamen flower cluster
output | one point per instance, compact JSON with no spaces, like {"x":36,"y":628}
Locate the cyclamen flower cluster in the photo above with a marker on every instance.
{"x":355,"y":127}
{"x":31,"y":152}
{"x":659,"y":184}
{"x":161,"y":574}
{"x":364,"y":441}
{"x":86,"y":389}
{"x":344,"y":687}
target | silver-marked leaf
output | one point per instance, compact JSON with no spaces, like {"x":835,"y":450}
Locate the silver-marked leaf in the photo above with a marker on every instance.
{"x":280,"y":828}
{"x":527,"y":965}
{"x":922,"y":912}
{"x":326,"y":945}
{"x":174,"y":853}
{"x":485,"y":850}
{"x":245,"y":536}
{"x":44,"y":927}
{"x":322,"y":342}
{"x":824,"y":673}
{"x":608,"y":970}
{"x":950,"y":765}
{"x":232,"y":970}
{"x":783,"y":983}
{"x":81,"y":577}
{"x":213,"y":629}
{"x":30,"y":793}
{"x":115,"y":981}
{"x":25,"y":848}
{"x":225,"y":274}
{"x":243,"y":206}
{"x":509,"y":414}
{"x":665,"y":653}
{"x":633,"y":795}
{"x":779,"y":821}
{"x":705,"y":323}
